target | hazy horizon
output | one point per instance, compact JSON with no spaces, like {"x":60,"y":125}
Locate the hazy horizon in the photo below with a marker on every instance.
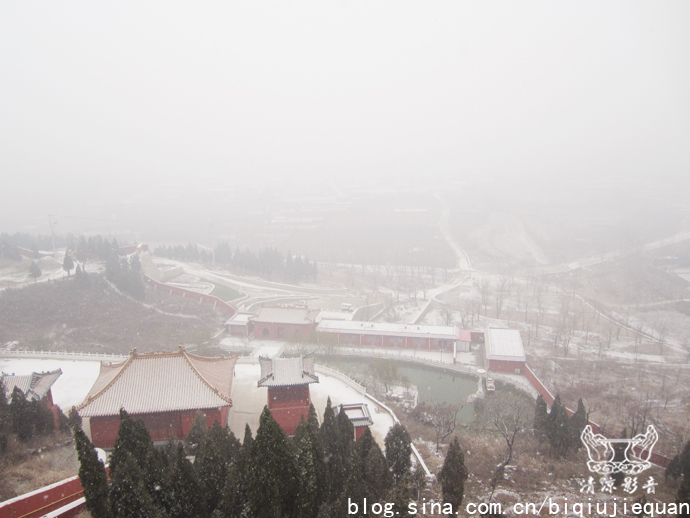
{"x":124,"y":111}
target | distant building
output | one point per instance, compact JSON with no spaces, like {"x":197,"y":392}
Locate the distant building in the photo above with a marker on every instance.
{"x":359,"y":416}
{"x":503,"y":351}
{"x":288,"y":382}
{"x":382,"y":334}
{"x":239,"y":324}
{"x":35,"y":386}
{"x":284,"y":323}
{"x":165,"y":390}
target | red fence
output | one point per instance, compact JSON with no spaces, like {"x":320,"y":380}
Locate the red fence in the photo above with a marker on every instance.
{"x":42,"y":501}
{"x":192,"y":295}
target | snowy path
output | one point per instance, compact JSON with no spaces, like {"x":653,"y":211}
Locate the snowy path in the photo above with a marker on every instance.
{"x":463,"y":259}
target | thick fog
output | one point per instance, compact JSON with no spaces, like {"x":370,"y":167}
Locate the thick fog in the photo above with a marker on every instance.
{"x":144,"y":118}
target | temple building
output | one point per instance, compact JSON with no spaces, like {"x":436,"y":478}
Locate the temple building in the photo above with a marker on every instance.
{"x":359,"y":416}
{"x":503,"y":351}
{"x":284,"y":323}
{"x":165,"y":390}
{"x":287,"y":380}
{"x":35,"y":386}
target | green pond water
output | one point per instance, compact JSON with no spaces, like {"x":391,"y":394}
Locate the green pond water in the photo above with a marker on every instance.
{"x":434,"y":385}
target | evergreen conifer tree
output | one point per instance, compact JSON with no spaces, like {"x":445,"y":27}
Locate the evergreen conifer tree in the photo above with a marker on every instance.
{"x":234,"y":501}
{"x":92,"y":476}
{"x":453,"y":476}
{"x":674,"y":470}
{"x":683,"y":494}
{"x":311,"y":468}
{"x":197,"y":434}
{"x":180,"y":492}
{"x":133,"y":438}
{"x":619,"y":456}
{"x":541,"y":417}
{"x":129,"y":497}
{"x":356,"y":489}
{"x":330,"y":437}
{"x":273,"y":476}
{"x":398,"y":451}
{"x":376,"y":474}
{"x":347,"y":441}
{"x":365,"y":443}
{"x":5,"y":418}
{"x":74,"y":417}
{"x":558,"y":427}
{"x":68,"y":263}
{"x":578,"y":422}
{"x":19,"y":412}
{"x":212,"y":463}
{"x":34,"y":270}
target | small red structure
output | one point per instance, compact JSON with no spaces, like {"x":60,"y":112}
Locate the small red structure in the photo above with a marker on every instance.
{"x":359,"y":416}
{"x":165,"y":390}
{"x":503,"y":351}
{"x":288,"y":382}
{"x":36,"y":386}
{"x":239,"y":324}
{"x":281,"y":323}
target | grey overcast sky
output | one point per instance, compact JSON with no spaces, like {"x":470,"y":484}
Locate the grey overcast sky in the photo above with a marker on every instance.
{"x":103,"y":97}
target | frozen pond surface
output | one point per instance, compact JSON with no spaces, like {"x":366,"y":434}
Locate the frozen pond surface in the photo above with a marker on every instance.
{"x":434,"y":385}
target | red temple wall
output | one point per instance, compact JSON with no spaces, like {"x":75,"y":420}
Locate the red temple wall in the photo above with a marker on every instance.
{"x":506,"y":366}
{"x":288,"y":405}
{"x":161,"y":426}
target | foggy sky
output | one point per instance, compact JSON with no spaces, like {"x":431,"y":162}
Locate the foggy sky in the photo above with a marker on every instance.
{"x":100,"y":100}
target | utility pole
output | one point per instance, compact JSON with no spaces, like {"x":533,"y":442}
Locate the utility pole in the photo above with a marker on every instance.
{"x":50,"y":222}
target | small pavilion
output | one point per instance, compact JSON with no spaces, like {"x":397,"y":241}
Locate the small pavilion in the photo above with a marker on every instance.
{"x":287,"y":380}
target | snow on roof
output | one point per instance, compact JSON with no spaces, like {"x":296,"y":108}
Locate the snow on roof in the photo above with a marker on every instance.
{"x":334,"y":315}
{"x":358,"y":413}
{"x":287,"y":372}
{"x":239,"y":319}
{"x":160,"y":382}
{"x":34,"y":386}
{"x":503,"y":344}
{"x":384,"y":328}
{"x":286,"y":315}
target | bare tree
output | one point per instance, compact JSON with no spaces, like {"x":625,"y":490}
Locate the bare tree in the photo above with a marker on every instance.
{"x":447,"y":315}
{"x":441,"y":416}
{"x":484,"y":292}
{"x":510,"y":415}
{"x":566,"y":345}
{"x":500,"y":292}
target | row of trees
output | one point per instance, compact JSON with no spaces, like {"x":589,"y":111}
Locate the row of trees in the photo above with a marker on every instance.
{"x":268,"y":262}
{"x":556,"y":428}
{"x":126,"y":275}
{"x":317,"y":473}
